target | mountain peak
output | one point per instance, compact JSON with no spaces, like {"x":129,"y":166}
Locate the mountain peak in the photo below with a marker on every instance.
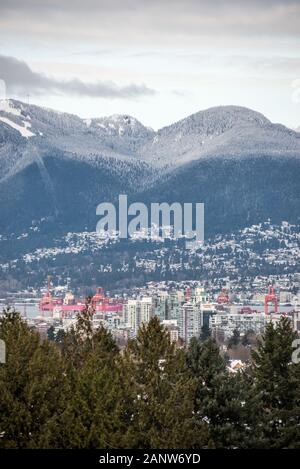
{"x":120,"y":124}
{"x":221,"y":118}
{"x":123,"y":130}
{"x":228,"y":131}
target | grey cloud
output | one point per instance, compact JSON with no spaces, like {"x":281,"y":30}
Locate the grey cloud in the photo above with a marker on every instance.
{"x":20,"y":79}
{"x":148,"y":21}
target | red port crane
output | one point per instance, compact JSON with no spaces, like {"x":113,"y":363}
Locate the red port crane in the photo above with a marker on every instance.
{"x":271,"y":297}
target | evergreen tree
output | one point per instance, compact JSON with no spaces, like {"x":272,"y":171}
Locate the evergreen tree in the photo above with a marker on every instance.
{"x":246,"y":338}
{"x":78,"y":342}
{"x":33,"y":386}
{"x":234,"y":339}
{"x":222,"y":399}
{"x":96,"y":417}
{"x":277,"y":380}
{"x":162,"y":392}
{"x":60,"y":337}
{"x":205,"y":333}
{"x":84,"y":393}
{"x":51,"y":333}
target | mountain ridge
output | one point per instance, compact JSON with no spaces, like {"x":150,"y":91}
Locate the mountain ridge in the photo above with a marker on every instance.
{"x":233,"y":130}
{"x":243,"y":167}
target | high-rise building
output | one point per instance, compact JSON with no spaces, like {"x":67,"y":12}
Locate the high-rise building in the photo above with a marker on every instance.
{"x":161,"y":305}
{"x":207,"y":311}
{"x":189,"y":321}
{"x":138,"y":312}
{"x":228,"y":322}
{"x":172,"y":328}
{"x":176,"y":300}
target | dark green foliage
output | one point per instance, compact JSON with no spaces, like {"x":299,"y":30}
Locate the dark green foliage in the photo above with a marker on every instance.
{"x":81,"y":391}
{"x":205,"y":333}
{"x":234,"y":339}
{"x":60,"y":336}
{"x":277,"y":381}
{"x":246,"y":339}
{"x":163,"y":392}
{"x":33,"y":385}
{"x":96,"y":415}
{"x":220,"y":397}
{"x":51,"y":333}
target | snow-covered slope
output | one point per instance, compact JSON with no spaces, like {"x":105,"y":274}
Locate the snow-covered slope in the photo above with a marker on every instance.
{"x":72,"y":132}
{"x":29,"y":132}
{"x":226,"y":131}
{"x":58,"y":167}
{"x":11,"y":115}
{"x":122,"y":131}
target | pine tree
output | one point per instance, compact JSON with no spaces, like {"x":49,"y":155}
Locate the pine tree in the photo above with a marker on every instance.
{"x":78,"y":341}
{"x":162,"y":392}
{"x":33,"y":386}
{"x":60,"y":337}
{"x":205,"y":333}
{"x":222,"y":400}
{"x":234,"y":339}
{"x":51,"y":333}
{"x":96,"y":415}
{"x":277,"y":380}
{"x":246,"y":338}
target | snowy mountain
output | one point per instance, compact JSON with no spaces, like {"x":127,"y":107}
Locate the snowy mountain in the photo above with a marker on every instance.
{"x":96,"y":134}
{"x":122,"y":132}
{"x":227,"y":131}
{"x":29,"y":132}
{"x":57,"y":167}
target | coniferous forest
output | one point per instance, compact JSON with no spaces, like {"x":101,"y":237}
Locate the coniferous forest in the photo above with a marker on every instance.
{"x":81,"y":391}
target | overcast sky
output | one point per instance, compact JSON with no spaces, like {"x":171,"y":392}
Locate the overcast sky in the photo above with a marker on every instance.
{"x":157,"y":60}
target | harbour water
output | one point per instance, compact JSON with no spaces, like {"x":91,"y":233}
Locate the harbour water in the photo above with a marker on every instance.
{"x":30,"y":307}
{"x":27,"y":308}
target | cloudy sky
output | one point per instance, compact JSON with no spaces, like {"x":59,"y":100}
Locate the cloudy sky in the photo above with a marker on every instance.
{"x":158,"y":60}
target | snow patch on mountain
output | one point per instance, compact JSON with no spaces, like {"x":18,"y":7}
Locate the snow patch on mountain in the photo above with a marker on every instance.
{"x":11,"y":114}
{"x":7,"y":106}
{"x":23,"y":130}
{"x":122,"y":132}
